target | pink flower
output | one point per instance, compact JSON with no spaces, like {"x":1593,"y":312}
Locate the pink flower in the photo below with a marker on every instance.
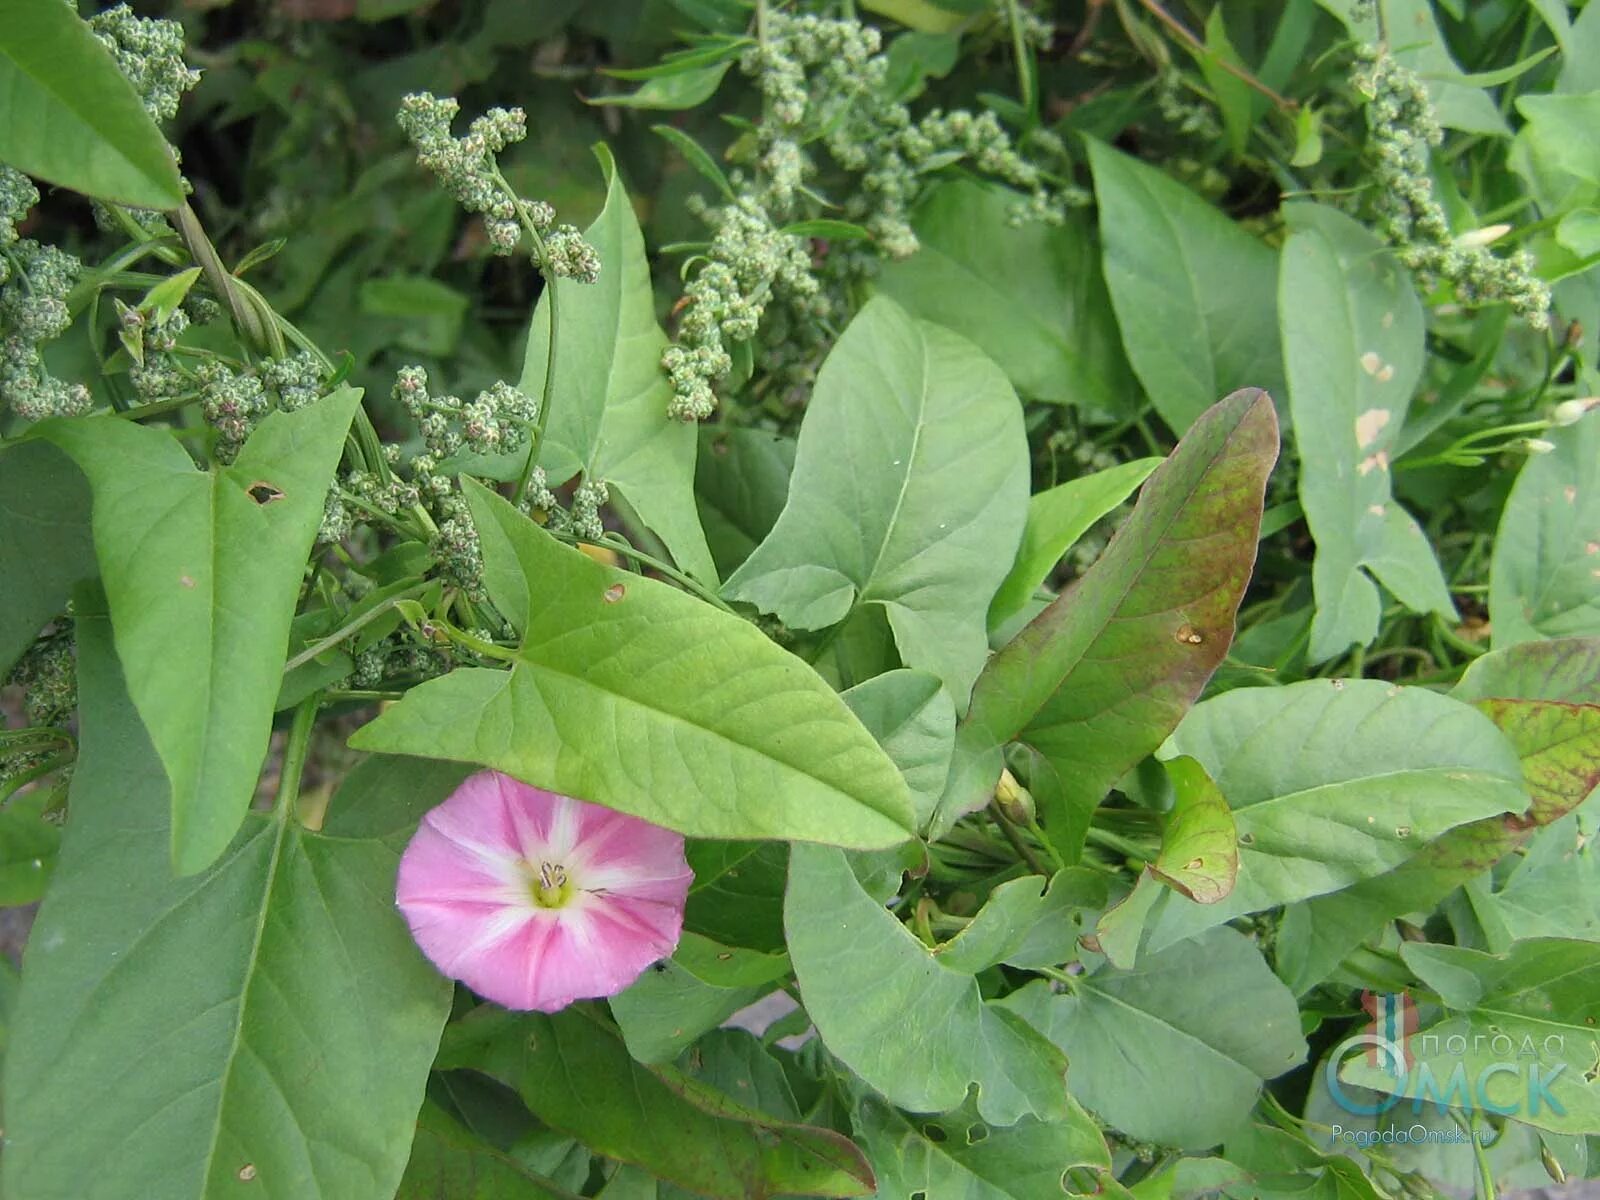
{"x":534,"y":899}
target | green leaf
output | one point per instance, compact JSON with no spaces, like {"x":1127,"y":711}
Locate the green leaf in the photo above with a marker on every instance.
{"x":697,"y":989}
{"x":609,"y":419}
{"x":28,"y":846}
{"x":72,"y":118}
{"x":961,"y":1157}
{"x":1542,"y":578}
{"x":1544,"y":992}
{"x":909,"y":490}
{"x":914,"y":720}
{"x":656,"y":1117}
{"x":741,"y":480}
{"x":737,"y":894}
{"x":269,"y":1021}
{"x":1031,"y":295}
{"x":910,"y":1026}
{"x":45,"y":544}
{"x":828,"y":229}
{"x":1057,"y":518}
{"x":1235,"y":98}
{"x":1517,"y":688}
{"x":1193,"y":292}
{"x":1176,"y":1050}
{"x":683,"y":89}
{"x":1100,"y":677}
{"x":427,"y":316}
{"x":1552,"y":152}
{"x":449,"y":1160}
{"x":1352,"y":346}
{"x":629,"y":693}
{"x":1554,"y":889}
{"x":1025,"y":925}
{"x":1564,"y":669}
{"x":1409,"y":26}
{"x":203,"y":570}
{"x":1378,"y":771}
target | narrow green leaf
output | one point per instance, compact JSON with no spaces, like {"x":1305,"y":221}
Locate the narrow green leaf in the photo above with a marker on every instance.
{"x":1031,"y":295}
{"x":1542,"y":578}
{"x":696,"y":156}
{"x":1544,"y":992}
{"x":1235,"y":98}
{"x":839,"y":231}
{"x":1352,"y":346}
{"x":267,"y":1023}
{"x":682,"y":89}
{"x":1377,"y":773}
{"x":71,"y":117}
{"x":909,"y":1025}
{"x":45,"y":544}
{"x":697,"y":989}
{"x":629,"y":693}
{"x":1193,"y":291}
{"x":574,"y":1074}
{"x":1176,"y":1050}
{"x":908,"y":493}
{"x":1106,"y":672}
{"x":609,"y":419}
{"x":1057,"y":518}
{"x":203,"y":569}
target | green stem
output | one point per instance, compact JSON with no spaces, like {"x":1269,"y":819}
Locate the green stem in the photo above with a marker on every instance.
{"x":1026,"y":91}
{"x":1024,"y":852}
{"x":612,"y":541}
{"x":294,"y":756}
{"x":352,"y":627}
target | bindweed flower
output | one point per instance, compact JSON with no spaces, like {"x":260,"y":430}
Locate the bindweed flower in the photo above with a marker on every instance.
{"x":534,"y":899}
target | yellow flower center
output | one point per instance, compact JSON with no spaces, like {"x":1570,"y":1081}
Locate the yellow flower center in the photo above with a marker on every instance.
{"x":550,"y":886}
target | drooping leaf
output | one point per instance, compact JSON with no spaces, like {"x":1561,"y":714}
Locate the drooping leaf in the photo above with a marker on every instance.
{"x":1200,"y":845}
{"x":909,"y":1025}
{"x":1377,"y":773}
{"x":1352,"y":347}
{"x":449,"y":1160}
{"x":959,"y":1155}
{"x":72,"y":117}
{"x":1177,"y":1049}
{"x":609,"y":419}
{"x":741,"y":479}
{"x":45,"y":544}
{"x":914,"y":720}
{"x":266,"y":1023}
{"x":1106,"y":672}
{"x":1543,"y":579}
{"x":203,"y":569}
{"x":909,"y":493}
{"x":699,"y":987}
{"x":28,"y":847}
{"x":1543,"y":994}
{"x":1193,"y":292}
{"x":1057,"y":518}
{"x":675,"y":1127}
{"x":629,"y":693}
{"x":1030,"y":295}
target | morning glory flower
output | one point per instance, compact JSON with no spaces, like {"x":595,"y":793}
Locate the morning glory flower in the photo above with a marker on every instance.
{"x":534,"y":899}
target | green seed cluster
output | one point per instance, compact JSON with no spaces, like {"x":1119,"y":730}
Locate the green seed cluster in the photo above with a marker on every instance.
{"x":467,"y":168}
{"x":823,"y":84}
{"x":1403,"y":128}
{"x":150,"y":53}
{"x":234,"y":401}
{"x":33,"y":311}
{"x":47,"y":675}
{"x":581,"y":521}
{"x":497,"y":422}
{"x":17,"y":198}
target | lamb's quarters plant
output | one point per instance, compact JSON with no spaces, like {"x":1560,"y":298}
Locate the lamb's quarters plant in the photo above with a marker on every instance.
{"x":941,"y":600}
